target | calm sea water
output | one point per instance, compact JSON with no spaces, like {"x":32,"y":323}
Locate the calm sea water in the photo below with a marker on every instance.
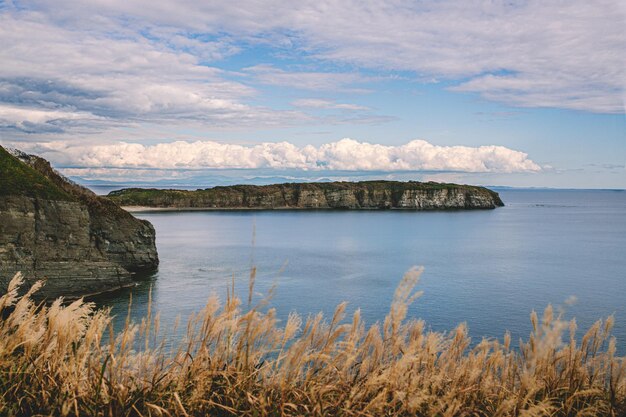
{"x":486,"y":268}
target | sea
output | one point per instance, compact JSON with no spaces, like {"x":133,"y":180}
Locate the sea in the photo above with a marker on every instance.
{"x":488,"y":269}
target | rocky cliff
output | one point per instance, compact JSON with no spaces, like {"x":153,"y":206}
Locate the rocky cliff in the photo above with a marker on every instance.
{"x":55,"y":230}
{"x":335,"y":195}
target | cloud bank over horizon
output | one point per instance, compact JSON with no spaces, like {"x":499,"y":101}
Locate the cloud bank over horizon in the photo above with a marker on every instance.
{"x":343,"y":155}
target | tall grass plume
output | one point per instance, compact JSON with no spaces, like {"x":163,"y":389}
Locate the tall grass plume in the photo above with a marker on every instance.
{"x":66,"y":359}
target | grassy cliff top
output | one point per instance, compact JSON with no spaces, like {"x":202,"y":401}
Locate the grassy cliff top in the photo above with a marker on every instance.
{"x":18,"y":178}
{"x":150,"y":196}
{"x":324,"y":186}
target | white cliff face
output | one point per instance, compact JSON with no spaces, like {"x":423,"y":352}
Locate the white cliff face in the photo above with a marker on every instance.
{"x":381,"y":199}
{"x":445,"y":198}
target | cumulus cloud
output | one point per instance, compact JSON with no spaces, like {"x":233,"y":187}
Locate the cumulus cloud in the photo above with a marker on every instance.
{"x":343,"y":155}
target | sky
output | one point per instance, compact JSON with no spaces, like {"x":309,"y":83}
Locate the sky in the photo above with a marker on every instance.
{"x":507,"y":93}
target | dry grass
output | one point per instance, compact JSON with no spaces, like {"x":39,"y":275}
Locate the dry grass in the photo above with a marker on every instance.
{"x":66,"y":360}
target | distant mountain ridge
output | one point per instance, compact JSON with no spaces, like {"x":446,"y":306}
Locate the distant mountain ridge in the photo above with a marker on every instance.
{"x":53,"y":229}
{"x":409,"y":195}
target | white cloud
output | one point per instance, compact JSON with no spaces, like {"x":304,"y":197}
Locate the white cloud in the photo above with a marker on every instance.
{"x":343,"y":155}
{"x":34,"y":120}
{"x":55,"y":73}
{"x":567,"y":54}
{"x":316,"y":103}
{"x":20,"y":115}
{"x":308,"y":80}
{"x":145,"y":71}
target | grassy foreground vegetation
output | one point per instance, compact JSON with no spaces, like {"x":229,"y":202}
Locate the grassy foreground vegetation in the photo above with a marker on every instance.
{"x":66,"y":360}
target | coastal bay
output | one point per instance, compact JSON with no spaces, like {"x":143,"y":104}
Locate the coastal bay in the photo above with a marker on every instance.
{"x":488,"y":268}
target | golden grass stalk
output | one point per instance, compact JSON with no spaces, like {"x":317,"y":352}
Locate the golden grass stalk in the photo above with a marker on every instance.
{"x":66,"y":360}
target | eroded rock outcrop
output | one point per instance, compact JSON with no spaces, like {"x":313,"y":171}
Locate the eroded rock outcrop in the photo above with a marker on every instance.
{"x":334,"y":195}
{"x":55,"y":230}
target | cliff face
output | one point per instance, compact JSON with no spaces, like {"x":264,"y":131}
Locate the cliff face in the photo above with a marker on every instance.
{"x":53,"y":229}
{"x":338,"y":195}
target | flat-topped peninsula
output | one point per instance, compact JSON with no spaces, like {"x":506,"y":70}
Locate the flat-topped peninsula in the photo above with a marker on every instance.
{"x":364,"y":195}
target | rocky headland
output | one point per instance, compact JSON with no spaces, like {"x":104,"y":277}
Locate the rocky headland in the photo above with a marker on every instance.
{"x":365,"y":195}
{"x":58,"y":231}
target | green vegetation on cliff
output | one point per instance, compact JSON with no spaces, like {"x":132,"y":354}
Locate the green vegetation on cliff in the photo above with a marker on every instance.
{"x":18,"y":178}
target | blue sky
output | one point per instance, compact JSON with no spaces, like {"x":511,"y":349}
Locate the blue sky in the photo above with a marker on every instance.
{"x":521,"y":93}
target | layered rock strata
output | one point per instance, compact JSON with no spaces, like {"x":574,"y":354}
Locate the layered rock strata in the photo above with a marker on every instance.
{"x":55,"y":230}
{"x":334,"y":195}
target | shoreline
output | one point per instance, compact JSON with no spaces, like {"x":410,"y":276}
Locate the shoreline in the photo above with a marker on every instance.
{"x":147,"y":209}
